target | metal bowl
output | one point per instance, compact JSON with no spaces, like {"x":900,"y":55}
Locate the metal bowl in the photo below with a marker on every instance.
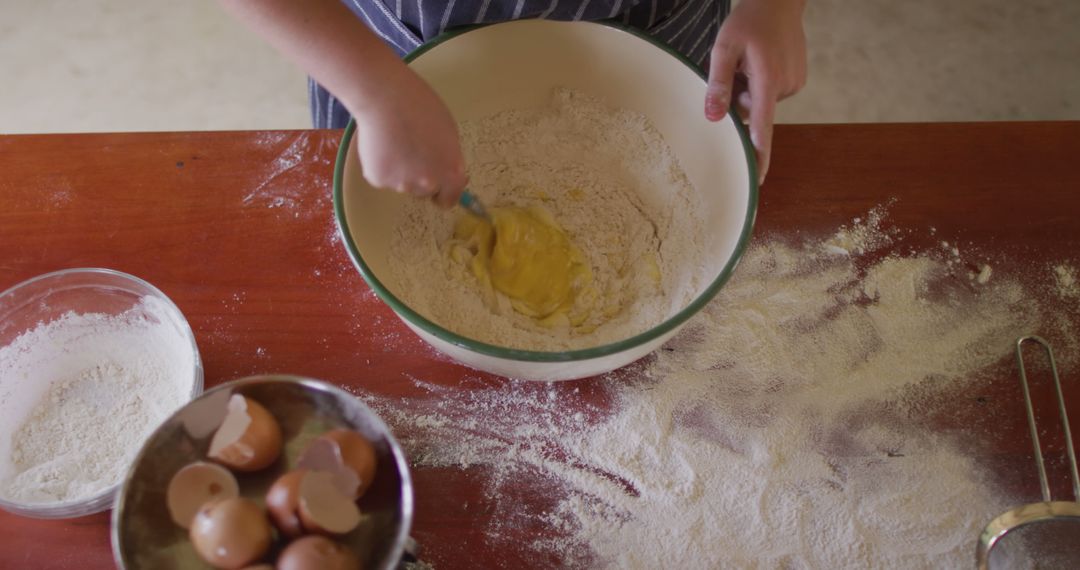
{"x":143,"y":534}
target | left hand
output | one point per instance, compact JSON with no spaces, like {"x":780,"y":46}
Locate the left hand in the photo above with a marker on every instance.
{"x":759,"y":58}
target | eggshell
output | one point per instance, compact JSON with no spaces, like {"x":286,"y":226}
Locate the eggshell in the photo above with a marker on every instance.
{"x":283,"y":503}
{"x":323,"y":508}
{"x":195,"y":485}
{"x":357,"y":453}
{"x":324,"y":454}
{"x":249,"y":439}
{"x":317,"y":553}
{"x":230,"y":533}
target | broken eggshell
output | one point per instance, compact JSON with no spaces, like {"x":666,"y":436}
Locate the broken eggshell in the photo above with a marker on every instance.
{"x":311,"y":501}
{"x":323,"y":508}
{"x":249,"y":437}
{"x":201,"y":417}
{"x":317,"y":553}
{"x":343,"y":447}
{"x":283,"y":503}
{"x":196,"y":484}
{"x":230,"y":533}
{"x":324,"y":454}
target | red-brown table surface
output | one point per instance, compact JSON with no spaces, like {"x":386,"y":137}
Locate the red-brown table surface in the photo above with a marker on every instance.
{"x":237,"y":228}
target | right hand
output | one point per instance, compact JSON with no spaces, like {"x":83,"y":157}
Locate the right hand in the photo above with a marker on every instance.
{"x":758,"y":58}
{"x":408,"y":141}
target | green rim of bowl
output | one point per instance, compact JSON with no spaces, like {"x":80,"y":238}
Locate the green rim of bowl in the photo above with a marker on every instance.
{"x":442,"y":333}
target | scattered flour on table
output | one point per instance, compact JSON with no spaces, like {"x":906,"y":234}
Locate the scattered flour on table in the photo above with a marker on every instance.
{"x":79,"y":394}
{"x":1067,"y":282}
{"x":287,"y":184}
{"x":862,"y":235}
{"x":597,"y":171}
{"x":780,"y":429}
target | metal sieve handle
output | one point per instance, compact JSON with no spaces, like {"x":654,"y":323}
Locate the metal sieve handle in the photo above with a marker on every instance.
{"x":1061,"y":411}
{"x":1048,"y":509}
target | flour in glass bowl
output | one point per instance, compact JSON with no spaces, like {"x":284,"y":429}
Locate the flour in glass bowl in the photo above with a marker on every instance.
{"x":79,"y":395}
{"x":608,"y":179}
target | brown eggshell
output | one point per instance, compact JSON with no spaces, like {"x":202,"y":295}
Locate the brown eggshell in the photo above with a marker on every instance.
{"x":195,"y":485}
{"x":230,"y":533}
{"x":358,"y":454}
{"x":323,"y":508}
{"x":324,"y":454}
{"x":249,"y":439}
{"x":283,"y":503}
{"x":317,"y":553}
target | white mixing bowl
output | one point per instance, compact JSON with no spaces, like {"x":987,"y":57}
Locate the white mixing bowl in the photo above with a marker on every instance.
{"x":482,"y":71}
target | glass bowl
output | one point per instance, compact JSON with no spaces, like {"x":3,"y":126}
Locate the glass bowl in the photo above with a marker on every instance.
{"x":43,"y":300}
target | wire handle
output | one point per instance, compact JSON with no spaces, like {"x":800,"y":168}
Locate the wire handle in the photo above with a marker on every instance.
{"x":1061,"y":412}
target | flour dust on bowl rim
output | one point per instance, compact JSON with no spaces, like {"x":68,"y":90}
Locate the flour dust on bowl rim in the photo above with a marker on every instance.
{"x":143,"y":532}
{"x":517,"y":65}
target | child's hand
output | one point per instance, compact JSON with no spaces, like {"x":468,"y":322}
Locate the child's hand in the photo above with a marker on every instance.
{"x":763,"y":41}
{"x":408,"y":142}
{"x":405,"y":136}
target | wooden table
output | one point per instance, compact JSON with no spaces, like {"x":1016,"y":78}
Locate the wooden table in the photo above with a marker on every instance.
{"x":237,"y":228}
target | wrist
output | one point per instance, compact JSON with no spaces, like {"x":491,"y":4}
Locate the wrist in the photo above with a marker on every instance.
{"x":379,"y":78}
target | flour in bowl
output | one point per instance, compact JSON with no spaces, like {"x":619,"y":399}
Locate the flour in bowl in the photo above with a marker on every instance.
{"x":78,"y":395}
{"x":609,"y":180}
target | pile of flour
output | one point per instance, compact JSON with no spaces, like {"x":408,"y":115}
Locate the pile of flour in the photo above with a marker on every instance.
{"x":782,"y":428}
{"x":79,"y":395}
{"x":597,"y":171}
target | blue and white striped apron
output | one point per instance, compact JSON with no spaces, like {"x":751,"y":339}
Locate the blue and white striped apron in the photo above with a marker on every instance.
{"x":688,"y":26}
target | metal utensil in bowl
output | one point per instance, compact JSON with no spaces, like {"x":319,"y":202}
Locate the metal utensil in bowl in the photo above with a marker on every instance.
{"x":470,"y":202}
{"x":144,"y":535}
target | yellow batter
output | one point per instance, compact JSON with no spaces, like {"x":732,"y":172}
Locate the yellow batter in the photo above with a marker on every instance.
{"x":526,"y":256}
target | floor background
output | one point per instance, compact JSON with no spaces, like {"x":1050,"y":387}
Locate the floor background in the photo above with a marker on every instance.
{"x":124,"y":65}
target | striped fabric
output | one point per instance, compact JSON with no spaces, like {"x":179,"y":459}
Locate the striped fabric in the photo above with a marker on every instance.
{"x":688,"y":26}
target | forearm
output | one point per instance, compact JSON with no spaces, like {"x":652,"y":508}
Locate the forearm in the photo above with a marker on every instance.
{"x":328,"y":42}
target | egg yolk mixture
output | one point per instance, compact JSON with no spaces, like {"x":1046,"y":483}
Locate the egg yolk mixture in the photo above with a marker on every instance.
{"x":525,"y":255}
